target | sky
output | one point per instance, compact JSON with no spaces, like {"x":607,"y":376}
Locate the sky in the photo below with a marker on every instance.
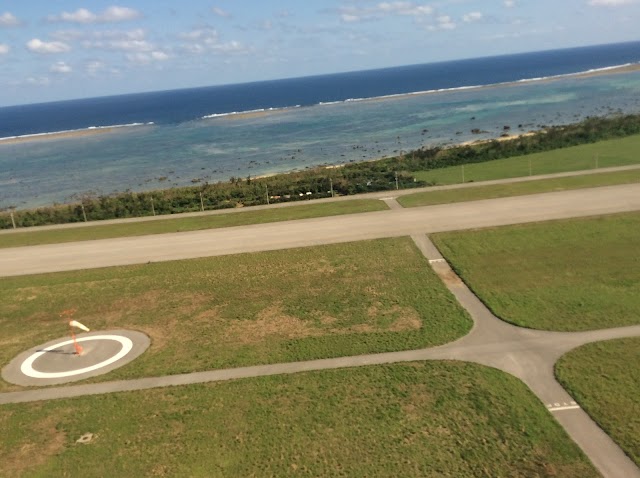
{"x":51,"y":51}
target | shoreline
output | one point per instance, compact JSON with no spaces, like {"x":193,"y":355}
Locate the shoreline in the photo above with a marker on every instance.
{"x":74,"y":133}
{"x":242,"y":115}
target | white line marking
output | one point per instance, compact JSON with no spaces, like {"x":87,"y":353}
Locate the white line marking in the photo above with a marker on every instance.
{"x":567,"y":407}
{"x":431,"y":261}
{"x":29,"y":371}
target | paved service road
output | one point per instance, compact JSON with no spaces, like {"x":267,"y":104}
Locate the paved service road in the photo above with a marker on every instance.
{"x":325,"y":230}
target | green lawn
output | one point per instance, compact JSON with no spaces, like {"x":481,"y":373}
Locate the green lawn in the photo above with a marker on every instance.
{"x":236,"y":218}
{"x":577,"y":274}
{"x":404,"y":420}
{"x":603,"y":379}
{"x":519,"y":189}
{"x":280,"y":306}
{"x":615,"y":152}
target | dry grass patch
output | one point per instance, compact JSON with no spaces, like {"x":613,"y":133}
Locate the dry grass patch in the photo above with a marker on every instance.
{"x":270,"y":323}
{"x":38,"y":442}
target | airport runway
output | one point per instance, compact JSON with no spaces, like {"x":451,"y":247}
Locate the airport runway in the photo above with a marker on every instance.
{"x":325,"y":230}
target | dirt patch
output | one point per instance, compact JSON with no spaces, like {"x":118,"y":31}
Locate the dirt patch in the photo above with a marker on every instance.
{"x":449,"y":277}
{"x":180,"y":330}
{"x":47,"y":442}
{"x":270,"y":322}
{"x":405,"y":318}
{"x":419,"y":399}
{"x":328,"y":320}
{"x":411,"y":321}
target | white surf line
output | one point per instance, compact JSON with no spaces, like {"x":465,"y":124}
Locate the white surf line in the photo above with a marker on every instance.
{"x":433,"y":261}
{"x":557,"y":407}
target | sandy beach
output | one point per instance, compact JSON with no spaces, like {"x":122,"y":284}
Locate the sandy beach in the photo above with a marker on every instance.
{"x":68,"y":134}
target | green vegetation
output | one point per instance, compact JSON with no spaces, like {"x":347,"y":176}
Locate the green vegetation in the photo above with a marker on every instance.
{"x":409,"y":420}
{"x":280,"y":306}
{"x":617,"y":152}
{"x":237,"y":218}
{"x":518,"y":189}
{"x":605,"y":382}
{"x":293,"y":187}
{"x":579,"y":274}
{"x":319,"y":182}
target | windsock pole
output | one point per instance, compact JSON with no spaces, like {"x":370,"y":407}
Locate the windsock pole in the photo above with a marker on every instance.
{"x":68,"y":314}
{"x":76,"y":345}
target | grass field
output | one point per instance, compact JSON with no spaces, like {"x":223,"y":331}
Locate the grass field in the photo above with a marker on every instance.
{"x":605,"y":382}
{"x":281,"y":306}
{"x":408,"y":420}
{"x":579,"y":274}
{"x":237,"y":218}
{"x":615,"y":152}
{"x":519,"y":189}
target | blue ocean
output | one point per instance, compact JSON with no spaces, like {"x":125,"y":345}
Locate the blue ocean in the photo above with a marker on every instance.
{"x":184,"y":137}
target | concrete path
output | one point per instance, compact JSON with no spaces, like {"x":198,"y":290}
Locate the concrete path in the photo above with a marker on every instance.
{"x":392,"y":202}
{"x":324,"y":230}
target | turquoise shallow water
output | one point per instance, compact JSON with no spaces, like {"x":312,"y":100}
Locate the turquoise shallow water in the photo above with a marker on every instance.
{"x":53,"y":170}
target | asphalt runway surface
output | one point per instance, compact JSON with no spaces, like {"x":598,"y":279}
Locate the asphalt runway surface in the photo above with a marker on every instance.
{"x":324,"y":230}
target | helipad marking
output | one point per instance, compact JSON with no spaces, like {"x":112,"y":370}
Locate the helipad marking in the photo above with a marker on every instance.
{"x":27,"y":366}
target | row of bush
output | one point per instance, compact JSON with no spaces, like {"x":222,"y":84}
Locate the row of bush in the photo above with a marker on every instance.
{"x":352,"y":178}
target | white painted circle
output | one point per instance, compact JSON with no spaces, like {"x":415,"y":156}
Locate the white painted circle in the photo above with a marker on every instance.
{"x":27,"y":366}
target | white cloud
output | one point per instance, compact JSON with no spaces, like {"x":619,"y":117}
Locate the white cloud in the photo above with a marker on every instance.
{"x":349,"y":18}
{"x":38,"y":81}
{"x":116,"y":40}
{"x":8,"y":20}
{"x":120,"y":14}
{"x":38,"y":46}
{"x":146,"y":58}
{"x":60,"y":67}
{"x":445,"y":22}
{"x":472,"y":17}
{"x":404,"y":8}
{"x":509,"y":3}
{"x":123,"y":45}
{"x":93,"y":67}
{"x":220,"y":12}
{"x":4,"y":49}
{"x":92,"y":35}
{"x":610,"y":3}
{"x":208,"y":40}
{"x":352,"y":14}
{"x":82,"y":15}
{"x":110,"y":15}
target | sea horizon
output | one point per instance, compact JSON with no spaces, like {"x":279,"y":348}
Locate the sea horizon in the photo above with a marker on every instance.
{"x":155,"y":140}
